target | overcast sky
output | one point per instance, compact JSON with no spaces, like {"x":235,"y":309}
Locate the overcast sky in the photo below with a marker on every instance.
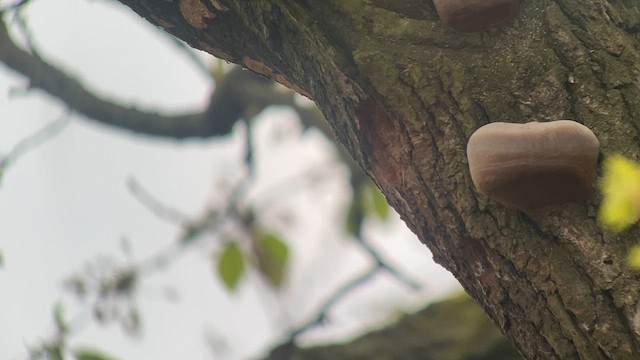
{"x":66,"y":203}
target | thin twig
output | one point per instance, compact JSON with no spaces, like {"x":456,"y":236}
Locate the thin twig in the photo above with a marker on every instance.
{"x":32,"y":141}
{"x":350,"y":286}
{"x":249,"y":157}
{"x":163,"y":257}
{"x":159,"y":260}
{"x":154,"y":205}
{"x":375,"y":255}
{"x":210,"y":221}
{"x":324,"y":309}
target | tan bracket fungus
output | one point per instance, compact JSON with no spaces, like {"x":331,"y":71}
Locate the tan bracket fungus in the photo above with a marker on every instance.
{"x":475,"y":15}
{"x":534,"y":167}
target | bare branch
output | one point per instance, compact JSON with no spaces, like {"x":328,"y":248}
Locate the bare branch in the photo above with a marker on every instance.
{"x":368,"y":248}
{"x":321,"y":315}
{"x":239,"y":91}
{"x":55,"y":82}
{"x":154,"y":205}
{"x":32,"y":141}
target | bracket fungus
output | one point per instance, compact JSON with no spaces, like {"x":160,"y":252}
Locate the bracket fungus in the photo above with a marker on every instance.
{"x":534,"y":167}
{"x":475,"y":15}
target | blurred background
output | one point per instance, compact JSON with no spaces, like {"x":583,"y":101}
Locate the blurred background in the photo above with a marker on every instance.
{"x":153,"y":247}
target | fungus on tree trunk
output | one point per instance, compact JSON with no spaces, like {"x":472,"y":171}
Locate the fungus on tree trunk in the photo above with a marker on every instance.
{"x":475,"y":15}
{"x":534,"y":167}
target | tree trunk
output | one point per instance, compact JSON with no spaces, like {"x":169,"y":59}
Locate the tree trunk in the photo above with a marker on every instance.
{"x":403,"y":93}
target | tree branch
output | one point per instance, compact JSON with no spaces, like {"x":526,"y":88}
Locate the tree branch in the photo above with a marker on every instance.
{"x":237,"y":92}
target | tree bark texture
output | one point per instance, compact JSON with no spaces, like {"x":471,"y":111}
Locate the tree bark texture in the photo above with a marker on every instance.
{"x":403,"y":93}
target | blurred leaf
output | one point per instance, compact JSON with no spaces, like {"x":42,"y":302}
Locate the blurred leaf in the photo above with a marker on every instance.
{"x":54,"y":351}
{"x":354,"y":219}
{"x":621,"y":193}
{"x":58,"y":318}
{"x":633,"y":259}
{"x":380,"y":204}
{"x":126,"y":281}
{"x":231,"y":265}
{"x":375,"y":202}
{"x":91,"y":354}
{"x":218,"y":70}
{"x":272,"y":253}
{"x":1,"y":259}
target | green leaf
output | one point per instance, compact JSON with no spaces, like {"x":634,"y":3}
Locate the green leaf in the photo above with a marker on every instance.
{"x":376,"y":203}
{"x":53,"y":351}
{"x":272,"y":253}
{"x":58,"y":318}
{"x":91,"y":354}
{"x":1,"y":259}
{"x":380,"y":204}
{"x":231,"y":265}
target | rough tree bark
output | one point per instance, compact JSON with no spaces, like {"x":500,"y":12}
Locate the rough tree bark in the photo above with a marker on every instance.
{"x":403,"y":93}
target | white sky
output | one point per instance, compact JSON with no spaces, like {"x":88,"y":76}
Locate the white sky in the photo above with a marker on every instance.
{"x":67,"y":202}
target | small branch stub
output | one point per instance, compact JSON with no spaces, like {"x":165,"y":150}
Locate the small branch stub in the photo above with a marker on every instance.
{"x":534,"y":167}
{"x":475,"y":15}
